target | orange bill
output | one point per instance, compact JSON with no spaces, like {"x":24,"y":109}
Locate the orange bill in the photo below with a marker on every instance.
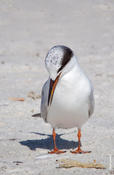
{"x":52,"y":88}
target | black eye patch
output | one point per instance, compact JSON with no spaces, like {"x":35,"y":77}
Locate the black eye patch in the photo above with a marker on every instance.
{"x":66,"y":57}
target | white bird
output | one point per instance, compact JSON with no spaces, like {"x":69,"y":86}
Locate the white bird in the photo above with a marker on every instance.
{"x":67,"y":96}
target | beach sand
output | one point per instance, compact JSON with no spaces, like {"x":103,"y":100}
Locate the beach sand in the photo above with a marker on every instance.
{"x":28,"y":29}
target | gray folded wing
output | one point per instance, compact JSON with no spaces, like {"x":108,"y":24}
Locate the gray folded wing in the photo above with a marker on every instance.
{"x":91,"y":103}
{"x":44,"y":100}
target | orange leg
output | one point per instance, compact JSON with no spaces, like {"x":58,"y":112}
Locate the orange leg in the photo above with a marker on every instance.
{"x":79,"y":150}
{"x":55,"y":150}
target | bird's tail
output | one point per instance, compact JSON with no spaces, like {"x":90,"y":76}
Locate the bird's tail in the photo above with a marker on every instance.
{"x":36,"y":115}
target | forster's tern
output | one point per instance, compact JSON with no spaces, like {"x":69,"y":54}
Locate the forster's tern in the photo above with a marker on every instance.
{"x":67,"y":96}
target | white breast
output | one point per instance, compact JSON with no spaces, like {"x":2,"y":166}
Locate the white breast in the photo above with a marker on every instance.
{"x":69,"y":106}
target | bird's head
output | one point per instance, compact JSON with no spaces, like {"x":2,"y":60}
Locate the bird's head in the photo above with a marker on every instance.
{"x":59,"y":60}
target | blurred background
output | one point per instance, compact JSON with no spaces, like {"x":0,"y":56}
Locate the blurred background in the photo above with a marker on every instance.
{"x":28,"y":29}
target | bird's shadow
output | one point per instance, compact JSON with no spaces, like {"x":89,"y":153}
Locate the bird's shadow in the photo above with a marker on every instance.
{"x":47,"y":143}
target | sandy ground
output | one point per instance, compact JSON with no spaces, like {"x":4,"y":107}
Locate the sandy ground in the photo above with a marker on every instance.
{"x":27,"y":30}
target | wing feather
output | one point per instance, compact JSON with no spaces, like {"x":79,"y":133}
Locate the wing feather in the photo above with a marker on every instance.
{"x":91,"y":103}
{"x":44,"y":100}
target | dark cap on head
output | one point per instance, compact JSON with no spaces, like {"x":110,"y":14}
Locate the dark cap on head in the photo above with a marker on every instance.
{"x":67,"y":55}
